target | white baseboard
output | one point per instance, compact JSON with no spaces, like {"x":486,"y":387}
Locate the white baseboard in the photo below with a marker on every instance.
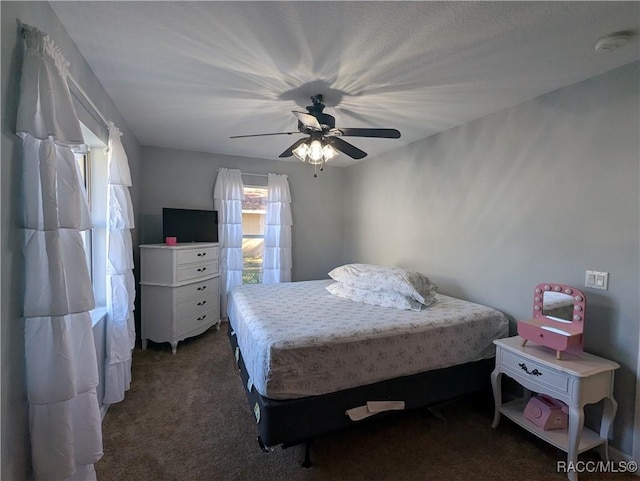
{"x":617,"y":456}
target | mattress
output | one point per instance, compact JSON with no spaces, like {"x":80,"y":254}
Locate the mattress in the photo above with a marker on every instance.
{"x":298,"y":340}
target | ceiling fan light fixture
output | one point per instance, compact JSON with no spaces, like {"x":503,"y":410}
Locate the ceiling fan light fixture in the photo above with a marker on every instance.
{"x":315,"y":152}
{"x":301,"y":152}
{"x":329,"y":153}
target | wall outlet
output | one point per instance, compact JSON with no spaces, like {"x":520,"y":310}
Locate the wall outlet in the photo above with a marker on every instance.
{"x":596,"y":280}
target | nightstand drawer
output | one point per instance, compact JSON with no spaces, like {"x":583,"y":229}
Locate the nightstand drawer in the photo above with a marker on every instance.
{"x":528,"y":371}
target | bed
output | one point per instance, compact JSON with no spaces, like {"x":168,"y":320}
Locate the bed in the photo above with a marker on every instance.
{"x":312,"y":362}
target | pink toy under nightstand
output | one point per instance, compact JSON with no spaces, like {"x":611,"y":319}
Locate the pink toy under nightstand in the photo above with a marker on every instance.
{"x":546,"y":412}
{"x":558,"y":318}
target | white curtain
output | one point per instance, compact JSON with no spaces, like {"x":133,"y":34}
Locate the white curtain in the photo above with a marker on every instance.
{"x":61,"y":364}
{"x":277,"y":232}
{"x":121,"y":291}
{"x":228,"y":195}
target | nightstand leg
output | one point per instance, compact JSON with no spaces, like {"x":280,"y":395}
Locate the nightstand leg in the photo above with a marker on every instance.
{"x":144,"y":344}
{"x":496,"y":377}
{"x":610,"y":406}
{"x":174,"y":347}
{"x":576,"y":423}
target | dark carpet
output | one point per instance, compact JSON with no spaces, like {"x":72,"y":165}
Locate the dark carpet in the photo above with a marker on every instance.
{"x":186,"y":417}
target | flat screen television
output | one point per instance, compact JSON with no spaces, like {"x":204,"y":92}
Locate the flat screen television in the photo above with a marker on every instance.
{"x":190,"y":225}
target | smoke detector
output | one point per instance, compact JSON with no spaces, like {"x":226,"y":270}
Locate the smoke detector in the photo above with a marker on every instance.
{"x":613,"y":41}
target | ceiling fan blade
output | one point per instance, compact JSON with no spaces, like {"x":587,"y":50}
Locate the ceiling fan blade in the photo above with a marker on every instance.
{"x":345,"y":147}
{"x":382,"y":133}
{"x":289,"y":151}
{"x":261,"y":135}
{"x":307,"y":120}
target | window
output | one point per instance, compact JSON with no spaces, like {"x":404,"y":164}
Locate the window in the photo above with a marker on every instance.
{"x":84,"y":167}
{"x":254,"y":212}
{"x":93,"y":169}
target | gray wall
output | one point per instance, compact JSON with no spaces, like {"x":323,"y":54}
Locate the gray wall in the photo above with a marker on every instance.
{"x":537,"y":193}
{"x":14,"y":450}
{"x":183,"y":179}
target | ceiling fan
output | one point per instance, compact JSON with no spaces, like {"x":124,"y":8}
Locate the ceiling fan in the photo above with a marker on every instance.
{"x":324,"y":139}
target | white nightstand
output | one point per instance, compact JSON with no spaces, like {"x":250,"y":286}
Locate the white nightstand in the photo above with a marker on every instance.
{"x":577,"y":380}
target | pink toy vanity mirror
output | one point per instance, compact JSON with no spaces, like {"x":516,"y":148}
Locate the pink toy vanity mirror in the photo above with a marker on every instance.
{"x":558,"y":318}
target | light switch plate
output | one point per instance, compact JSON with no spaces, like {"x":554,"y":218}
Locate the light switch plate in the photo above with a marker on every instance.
{"x":596,"y":280}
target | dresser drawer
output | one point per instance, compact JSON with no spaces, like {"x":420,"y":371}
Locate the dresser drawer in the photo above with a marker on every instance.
{"x":197,"y":289}
{"x":196,"y":320}
{"x":163,"y":265}
{"x":194,"y":305}
{"x":198,"y":303}
{"x":191,"y":256}
{"x":528,"y":372}
{"x":193,"y":271}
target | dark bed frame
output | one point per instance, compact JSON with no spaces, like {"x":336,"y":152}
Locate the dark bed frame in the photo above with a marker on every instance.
{"x":297,"y":421}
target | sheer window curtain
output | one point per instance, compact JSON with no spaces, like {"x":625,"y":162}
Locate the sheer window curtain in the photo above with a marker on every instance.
{"x":121,"y":291}
{"x":277,"y":234}
{"x":228,"y":194}
{"x":61,"y":365}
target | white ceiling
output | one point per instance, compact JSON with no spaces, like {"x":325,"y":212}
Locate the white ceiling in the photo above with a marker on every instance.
{"x":188,"y":75}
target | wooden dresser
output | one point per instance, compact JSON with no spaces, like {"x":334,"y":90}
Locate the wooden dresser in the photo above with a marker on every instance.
{"x":180,"y":291}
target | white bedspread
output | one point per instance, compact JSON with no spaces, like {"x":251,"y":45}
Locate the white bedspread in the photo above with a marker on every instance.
{"x":299,"y":340}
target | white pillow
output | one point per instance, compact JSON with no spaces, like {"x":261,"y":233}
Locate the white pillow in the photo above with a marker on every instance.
{"x":377,"y":298}
{"x":387,"y":279}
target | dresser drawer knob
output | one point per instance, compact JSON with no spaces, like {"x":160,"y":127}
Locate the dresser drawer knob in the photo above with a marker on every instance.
{"x":201,"y":254}
{"x":201,"y":318}
{"x":201,"y":269}
{"x":201,"y":288}
{"x":524,"y":367}
{"x":201,"y":303}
